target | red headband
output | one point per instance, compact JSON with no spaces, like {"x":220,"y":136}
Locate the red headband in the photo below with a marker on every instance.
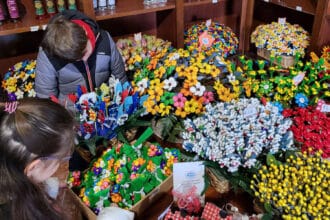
{"x":89,"y":32}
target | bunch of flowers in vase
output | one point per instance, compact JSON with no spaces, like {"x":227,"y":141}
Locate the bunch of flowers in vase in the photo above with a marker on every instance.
{"x":237,"y":133}
{"x":18,"y":82}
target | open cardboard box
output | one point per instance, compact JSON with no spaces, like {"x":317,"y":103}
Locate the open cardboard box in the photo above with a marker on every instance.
{"x":138,"y":208}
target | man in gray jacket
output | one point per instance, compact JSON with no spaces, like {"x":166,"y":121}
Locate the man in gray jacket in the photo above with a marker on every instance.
{"x":73,"y":52}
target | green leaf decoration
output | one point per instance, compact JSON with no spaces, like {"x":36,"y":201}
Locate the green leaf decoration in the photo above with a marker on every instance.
{"x":271,"y":159}
{"x":267,"y":216}
{"x":268,"y":207}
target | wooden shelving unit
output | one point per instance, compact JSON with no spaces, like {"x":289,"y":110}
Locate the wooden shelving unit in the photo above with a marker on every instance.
{"x":21,"y":39}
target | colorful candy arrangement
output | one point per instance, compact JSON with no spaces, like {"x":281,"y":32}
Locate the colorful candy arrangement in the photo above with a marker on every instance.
{"x":281,"y":38}
{"x":211,"y":37}
{"x":295,"y":189}
{"x":235,"y":134}
{"x":124,"y":174}
{"x":18,"y":82}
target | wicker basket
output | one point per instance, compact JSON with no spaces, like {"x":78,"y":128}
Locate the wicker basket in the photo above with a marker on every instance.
{"x":219,"y":183}
{"x":286,"y":62}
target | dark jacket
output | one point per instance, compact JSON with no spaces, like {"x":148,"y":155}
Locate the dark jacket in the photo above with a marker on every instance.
{"x":60,"y":78}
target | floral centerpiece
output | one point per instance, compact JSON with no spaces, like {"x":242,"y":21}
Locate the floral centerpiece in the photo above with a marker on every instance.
{"x":295,"y":189}
{"x":124,"y":174}
{"x":180,"y":85}
{"x":101,"y":112}
{"x":139,"y":47}
{"x":281,"y":38}
{"x":310,"y":128}
{"x":305,"y":79}
{"x":18,"y":82}
{"x":211,"y":37}
{"x":235,"y":134}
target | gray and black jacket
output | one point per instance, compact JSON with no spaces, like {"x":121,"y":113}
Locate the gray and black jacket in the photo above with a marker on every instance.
{"x":56,"y":77}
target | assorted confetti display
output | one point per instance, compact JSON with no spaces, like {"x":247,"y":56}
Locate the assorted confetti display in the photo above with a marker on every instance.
{"x":18,"y":82}
{"x":281,"y":38}
{"x":124,"y":174}
{"x":234,"y":134}
{"x":211,"y":37}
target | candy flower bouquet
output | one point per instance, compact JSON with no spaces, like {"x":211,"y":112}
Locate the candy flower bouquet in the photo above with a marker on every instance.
{"x":18,"y":82}
{"x":297,"y":188}
{"x":179,"y":86}
{"x":238,"y":133}
{"x":101,"y":112}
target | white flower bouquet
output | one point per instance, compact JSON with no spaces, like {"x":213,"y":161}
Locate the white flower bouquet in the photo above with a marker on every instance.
{"x":236,"y":133}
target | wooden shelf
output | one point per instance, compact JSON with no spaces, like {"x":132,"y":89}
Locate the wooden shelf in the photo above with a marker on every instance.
{"x":188,"y":3}
{"x":23,"y":25}
{"x":130,"y":8}
{"x":308,"y":7}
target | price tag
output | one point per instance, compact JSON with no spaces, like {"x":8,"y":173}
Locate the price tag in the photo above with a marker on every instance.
{"x":214,"y":1}
{"x":34,"y":28}
{"x":325,"y":108}
{"x":298,"y":78}
{"x":208,"y":22}
{"x":298,"y":8}
{"x":43,"y":27}
{"x":322,"y":106}
{"x":281,"y":20}
{"x":138,"y":37}
{"x":250,"y":111}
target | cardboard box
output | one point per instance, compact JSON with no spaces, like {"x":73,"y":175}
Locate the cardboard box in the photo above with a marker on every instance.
{"x":139,"y":207}
{"x":286,"y":62}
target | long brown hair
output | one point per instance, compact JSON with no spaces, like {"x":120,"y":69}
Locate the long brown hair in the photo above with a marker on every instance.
{"x":37,"y":128}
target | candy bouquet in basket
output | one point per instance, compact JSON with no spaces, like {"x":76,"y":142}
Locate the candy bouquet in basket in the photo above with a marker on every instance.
{"x":211,"y":37}
{"x":124,"y":174}
{"x":18,"y":82}
{"x":179,"y":86}
{"x":101,"y":112}
{"x":280,"y":39}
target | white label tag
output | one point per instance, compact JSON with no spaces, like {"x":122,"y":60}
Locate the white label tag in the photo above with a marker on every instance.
{"x":138,"y":36}
{"x":298,"y":8}
{"x":281,"y":20}
{"x":208,"y":22}
{"x":214,"y":1}
{"x":250,"y":111}
{"x":325,"y":108}
{"x":34,"y":28}
{"x":298,"y":78}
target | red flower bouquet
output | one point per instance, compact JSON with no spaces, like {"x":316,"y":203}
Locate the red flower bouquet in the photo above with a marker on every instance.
{"x":310,"y":128}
